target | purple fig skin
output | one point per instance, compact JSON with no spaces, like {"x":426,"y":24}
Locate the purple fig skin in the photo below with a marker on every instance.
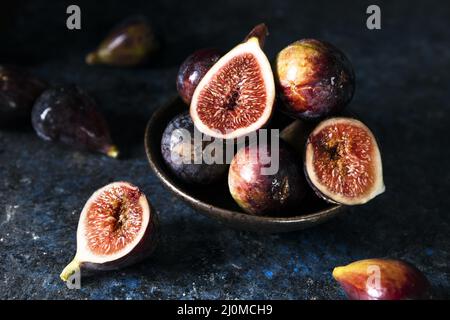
{"x":195,"y":173}
{"x":18,"y":92}
{"x":398,"y":280}
{"x":260,"y":194}
{"x":193,"y":69}
{"x":69,"y":115}
{"x":314,"y":79}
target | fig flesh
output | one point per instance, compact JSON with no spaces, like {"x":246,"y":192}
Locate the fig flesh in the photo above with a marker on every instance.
{"x":180,"y":152}
{"x":262,"y":193}
{"x":343,"y":162}
{"x":117,"y":228}
{"x":382,"y":279}
{"x":129,"y":44}
{"x":193,"y":69}
{"x":18,"y":91}
{"x":314,"y":78}
{"x":69,"y":115}
{"x":236,"y":95}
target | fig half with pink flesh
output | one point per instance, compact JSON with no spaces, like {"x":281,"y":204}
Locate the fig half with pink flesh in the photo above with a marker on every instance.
{"x":343,"y":162}
{"x":117,"y":228}
{"x":236,"y":95}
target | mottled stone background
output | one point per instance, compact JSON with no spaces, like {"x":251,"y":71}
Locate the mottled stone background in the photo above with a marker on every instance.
{"x":402,"y":94}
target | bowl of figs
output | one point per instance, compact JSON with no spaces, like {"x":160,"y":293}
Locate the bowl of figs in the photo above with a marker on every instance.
{"x":221,"y":147}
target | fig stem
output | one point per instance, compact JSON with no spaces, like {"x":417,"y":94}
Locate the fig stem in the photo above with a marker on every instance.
{"x":259,"y":32}
{"x":112,"y":151}
{"x":70,"y":269}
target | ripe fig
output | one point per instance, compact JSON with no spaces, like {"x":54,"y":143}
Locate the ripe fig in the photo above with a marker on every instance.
{"x":129,"y":44}
{"x":261,"y":192}
{"x":314,"y":78}
{"x":117,"y":228}
{"x":193,"y":69}
{"x":343,"y":162}
{"x":18,"y":91}
{"x":185,"y":158}
{"x":382,"y":279}
{"x":236,"y":95}
{"x":67,"y":114}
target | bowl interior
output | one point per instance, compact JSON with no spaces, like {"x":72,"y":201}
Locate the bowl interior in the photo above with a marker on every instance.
{"x":215,"y":200}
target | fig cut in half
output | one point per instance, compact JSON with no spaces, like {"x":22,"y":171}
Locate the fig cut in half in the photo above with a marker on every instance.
{"x":236,"y":95}
{"x":117,"y":227}
{"x":343,"y":162}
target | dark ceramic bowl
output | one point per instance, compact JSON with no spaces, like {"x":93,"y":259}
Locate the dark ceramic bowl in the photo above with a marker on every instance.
{"x":215,"y":200}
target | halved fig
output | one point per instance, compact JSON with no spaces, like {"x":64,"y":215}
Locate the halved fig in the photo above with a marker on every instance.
{"x":236,"y":95}
{"x":117,"y":228}
{"x":343,"y":162}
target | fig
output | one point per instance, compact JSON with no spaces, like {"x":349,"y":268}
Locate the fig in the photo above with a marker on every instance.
{"x":262,"y":192}
{"x":117,"y":228}
{"x":180,"y":153}
{"x":69,"y":115}
{"x":129,"y":44}
{"x":343,"y":162}
{"x":382,"y":279}
{"x":18,"y":91}
{"x":236,"y":95}
{"x":193,"y":69}
{"x":314,"y":79}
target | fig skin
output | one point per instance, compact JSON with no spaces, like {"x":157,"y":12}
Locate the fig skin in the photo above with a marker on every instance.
{"x":69,"y":115}
{"x":260,"y":194}
{"x":201,"y":173}
{"x":314,"y":79}
{"x":141,"y":250}
{"x":18,"y":91}
{"x":129,"y":44}
{"x":193,"y":69}
{"x":399,"y":280}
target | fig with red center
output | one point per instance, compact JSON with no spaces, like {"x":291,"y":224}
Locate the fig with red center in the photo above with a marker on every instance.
{"x":343,"y":162}
{"x":117,"y":228}
{"x":236,"y":95}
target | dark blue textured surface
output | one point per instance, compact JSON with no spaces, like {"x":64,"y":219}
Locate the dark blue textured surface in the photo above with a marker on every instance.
{"x":402,"y":94}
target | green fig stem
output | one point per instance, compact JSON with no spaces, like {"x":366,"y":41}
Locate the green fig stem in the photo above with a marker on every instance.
{"x":70,"y":269}
{"x":92,"y":58}
{"x":112,"y":151}
{"x":259,"y":32}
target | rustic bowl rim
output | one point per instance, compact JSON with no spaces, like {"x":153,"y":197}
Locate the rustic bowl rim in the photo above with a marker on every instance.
{"x":213,"y":211}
